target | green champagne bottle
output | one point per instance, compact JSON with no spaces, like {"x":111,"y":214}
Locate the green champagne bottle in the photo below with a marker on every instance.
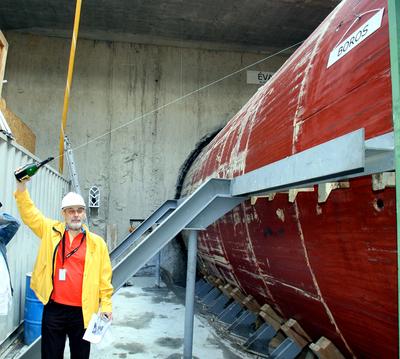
{"x":30,"y":169}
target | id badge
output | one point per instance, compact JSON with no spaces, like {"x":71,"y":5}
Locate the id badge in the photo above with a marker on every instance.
{"x":62,"y":274}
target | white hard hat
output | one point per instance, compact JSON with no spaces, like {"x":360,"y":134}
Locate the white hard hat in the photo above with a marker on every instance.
{"x":72,"y":199}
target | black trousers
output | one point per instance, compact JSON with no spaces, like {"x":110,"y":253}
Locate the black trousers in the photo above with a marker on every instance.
{"x":58,"y":321}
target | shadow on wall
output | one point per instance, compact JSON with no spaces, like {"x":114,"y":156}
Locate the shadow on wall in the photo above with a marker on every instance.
{"x":178,"y":274}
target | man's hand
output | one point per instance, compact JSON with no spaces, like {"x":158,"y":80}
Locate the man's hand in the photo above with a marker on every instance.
{"x":106,"y":315}
{"x":21,"y":186}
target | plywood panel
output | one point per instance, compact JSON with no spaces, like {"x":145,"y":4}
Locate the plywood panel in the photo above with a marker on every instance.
{"x":22,"y":133}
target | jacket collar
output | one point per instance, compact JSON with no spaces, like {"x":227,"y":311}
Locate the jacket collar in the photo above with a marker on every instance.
{"x":60,"y":228}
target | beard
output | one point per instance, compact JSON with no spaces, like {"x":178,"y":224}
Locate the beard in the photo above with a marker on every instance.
{"x":75,"y":226}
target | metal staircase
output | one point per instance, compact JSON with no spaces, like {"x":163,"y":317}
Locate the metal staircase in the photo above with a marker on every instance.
{"x":203,"y":207}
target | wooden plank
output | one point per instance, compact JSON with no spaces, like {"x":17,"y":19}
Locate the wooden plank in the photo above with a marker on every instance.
{"x":250,"y":303}
{"x":219,"y":282}
{"x":3,"y":59}
{"x":269,"y":320}
{"x":293,"y":324}
{"x":266,"y":308}
{"x":226,"y":289}
{"x":325,"y":349}
{"x":22,"y":133}
{"x":289,"y":329}
{"x":237,"y":295}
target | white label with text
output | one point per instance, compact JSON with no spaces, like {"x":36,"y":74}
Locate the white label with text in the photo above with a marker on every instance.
{"x":358,"y":36}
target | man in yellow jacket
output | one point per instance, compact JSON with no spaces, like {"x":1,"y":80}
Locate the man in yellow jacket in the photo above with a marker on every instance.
{"x":72,"y":274}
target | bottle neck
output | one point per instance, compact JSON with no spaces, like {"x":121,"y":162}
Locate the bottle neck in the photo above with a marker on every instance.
{"x":40,"y":164}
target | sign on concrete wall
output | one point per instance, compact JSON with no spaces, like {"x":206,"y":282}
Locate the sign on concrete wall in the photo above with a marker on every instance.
{"x":258,"y":77}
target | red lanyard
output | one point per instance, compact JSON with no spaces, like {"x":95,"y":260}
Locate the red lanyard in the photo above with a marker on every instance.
{"x":70,"y":254}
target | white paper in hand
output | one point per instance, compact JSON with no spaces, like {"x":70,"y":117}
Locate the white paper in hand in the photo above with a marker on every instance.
{"x":96,"y":329}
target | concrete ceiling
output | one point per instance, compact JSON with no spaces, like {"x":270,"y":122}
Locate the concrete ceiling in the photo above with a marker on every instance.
{"x":248,"y":23}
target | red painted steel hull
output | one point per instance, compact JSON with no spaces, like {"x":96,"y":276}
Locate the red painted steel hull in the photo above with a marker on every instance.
{"x":332,"y":266}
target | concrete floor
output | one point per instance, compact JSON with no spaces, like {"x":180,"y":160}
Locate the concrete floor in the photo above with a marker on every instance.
{"x":148,"y":323}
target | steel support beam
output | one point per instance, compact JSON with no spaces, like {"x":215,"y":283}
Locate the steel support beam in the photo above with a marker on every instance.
{"x":189,"y":300}
{"x":394,"y":41}
{"x":343,"y":157}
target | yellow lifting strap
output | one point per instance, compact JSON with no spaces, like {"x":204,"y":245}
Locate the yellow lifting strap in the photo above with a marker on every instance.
{"x":69,"y":80}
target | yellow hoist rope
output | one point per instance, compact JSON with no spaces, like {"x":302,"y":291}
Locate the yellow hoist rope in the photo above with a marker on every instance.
{"x":69,"y":80}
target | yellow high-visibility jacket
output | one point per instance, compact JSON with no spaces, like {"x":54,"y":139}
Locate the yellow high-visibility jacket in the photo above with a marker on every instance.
{"x":96,"y":287}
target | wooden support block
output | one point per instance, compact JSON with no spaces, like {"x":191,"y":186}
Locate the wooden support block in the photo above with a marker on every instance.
{"x":269,"y":320}
{"x":267,"y":309}
{"x":226,"y":289}
{"x":202,"y":270}
{"x":219,"y":282}
{"x":293,"y":324}
{"x":250,"y":303}
{"x":325,"y":349}
{"x":229,"y":290}
{"x":237,"y":295}
{"x":288,"y":329}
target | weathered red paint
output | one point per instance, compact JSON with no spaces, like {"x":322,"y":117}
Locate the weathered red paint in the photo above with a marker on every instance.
{"x":332,"y":266}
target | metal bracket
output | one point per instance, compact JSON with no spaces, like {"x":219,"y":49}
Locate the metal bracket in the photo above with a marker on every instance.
{"x":325,"y":189}
{"x":383,"y":180}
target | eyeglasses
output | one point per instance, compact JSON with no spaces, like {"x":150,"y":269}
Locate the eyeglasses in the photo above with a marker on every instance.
{"x":72,"y":211}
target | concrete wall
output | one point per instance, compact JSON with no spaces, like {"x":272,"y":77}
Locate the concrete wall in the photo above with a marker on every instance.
{"x":135,"y":166}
